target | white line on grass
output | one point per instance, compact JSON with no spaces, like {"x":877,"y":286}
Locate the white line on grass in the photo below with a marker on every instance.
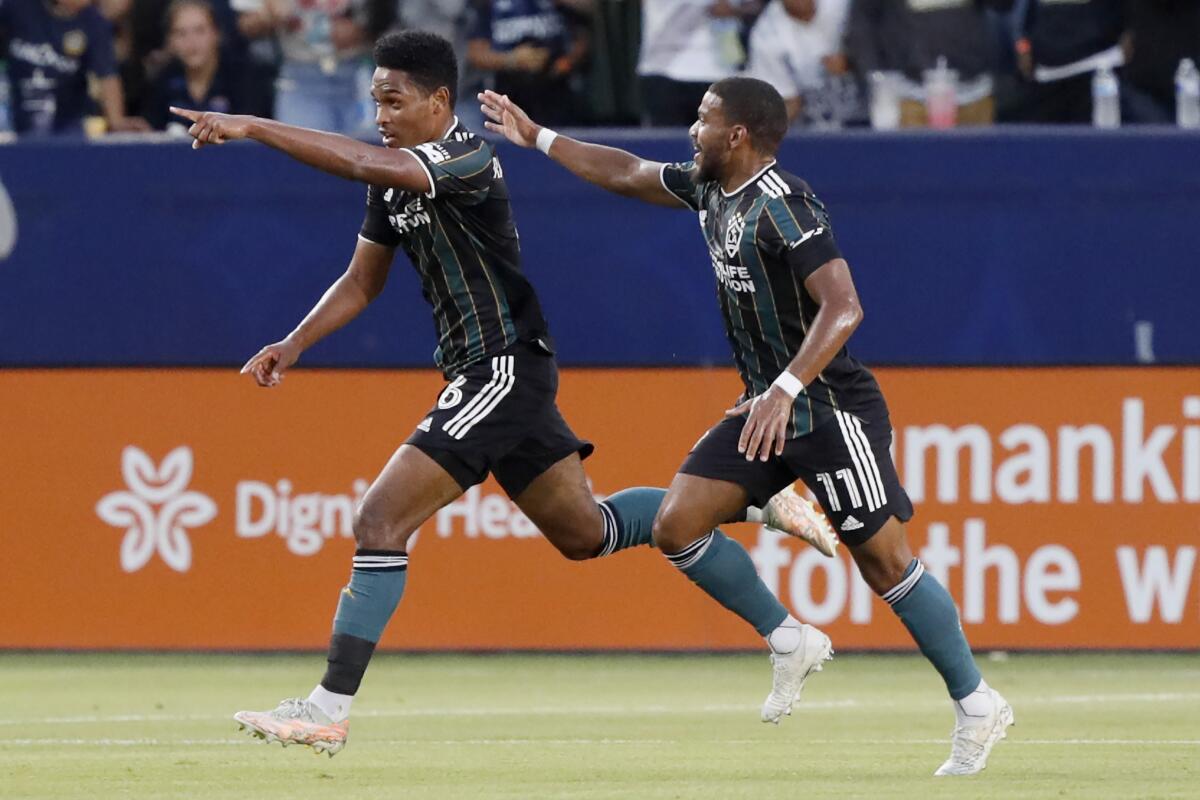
{"x":569,"y":710}
{"x":51,"y":742}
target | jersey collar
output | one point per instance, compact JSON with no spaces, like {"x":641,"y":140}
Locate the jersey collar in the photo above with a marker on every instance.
{"x":446,"y":133}
{"x":753,"y":178}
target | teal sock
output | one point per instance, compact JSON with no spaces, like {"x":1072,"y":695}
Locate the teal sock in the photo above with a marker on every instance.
{"x":629,"y":518}
{"x":722,"y":568}
{"x":370,"y":599}
{"x":364,"y":608}
{"x":927,"y":610}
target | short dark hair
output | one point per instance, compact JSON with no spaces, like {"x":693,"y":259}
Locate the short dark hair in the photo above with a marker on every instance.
{"x":757,"y":105}
{"x":179,"y":5}
{"x":427,"y":58}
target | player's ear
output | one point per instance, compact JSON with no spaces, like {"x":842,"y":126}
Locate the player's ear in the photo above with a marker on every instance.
{"x":440,"y":98}
{"x":737,"y":135}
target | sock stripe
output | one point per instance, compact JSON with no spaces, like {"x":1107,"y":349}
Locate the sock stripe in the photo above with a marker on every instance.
{"x":901,"y":590}
{"x":394,"y":562}
{"x":693,"y":552}
{"x":611,"y":534}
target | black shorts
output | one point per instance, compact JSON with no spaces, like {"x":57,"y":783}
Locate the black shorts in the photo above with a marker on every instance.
{"x":498,"y":415}
{"x":846,"y":462}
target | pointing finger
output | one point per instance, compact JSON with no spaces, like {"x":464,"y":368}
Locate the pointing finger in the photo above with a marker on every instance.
{"x":185,"y":113}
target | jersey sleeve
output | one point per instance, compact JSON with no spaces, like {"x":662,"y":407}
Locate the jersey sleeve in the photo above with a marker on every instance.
{"x":462,"y":171}
{"x":376,"y":227}
{"x":796,"y":229}
{"x":680,"y":180}
{"x":100,"y":58}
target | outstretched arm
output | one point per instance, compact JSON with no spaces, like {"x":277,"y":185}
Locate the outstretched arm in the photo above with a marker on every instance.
{"x":361,"y":283}
{"x":329,"y":152}
{"x":609,"y":168}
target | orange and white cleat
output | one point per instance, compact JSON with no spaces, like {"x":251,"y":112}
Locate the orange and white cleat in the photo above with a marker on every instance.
{"x":798,"y":516}
{"x":296,"y":721}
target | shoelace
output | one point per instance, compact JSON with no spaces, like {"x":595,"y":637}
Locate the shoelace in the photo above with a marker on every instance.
{"x":963,"y":746}
{"x":785,"y":680}
{"x":294,"y":708}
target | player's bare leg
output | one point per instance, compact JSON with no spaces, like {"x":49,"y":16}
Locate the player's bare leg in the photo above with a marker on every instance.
{"x":686,"y":532}
{"x":982,"y":716}
{"x":562,"y":507}
{"x":411,"y":488}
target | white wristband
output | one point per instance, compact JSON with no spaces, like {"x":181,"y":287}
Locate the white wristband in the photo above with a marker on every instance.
{"x":789,"y":383}
{"x":545,"y":138}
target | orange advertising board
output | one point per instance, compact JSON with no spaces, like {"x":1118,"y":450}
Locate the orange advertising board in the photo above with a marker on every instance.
{"x":188,"y":509}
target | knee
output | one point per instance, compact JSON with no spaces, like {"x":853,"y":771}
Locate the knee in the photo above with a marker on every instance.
{"x":672,"y":531}
{"x":577,"y":548}
{"x":374,"y":531}
{"x":883,"y":571}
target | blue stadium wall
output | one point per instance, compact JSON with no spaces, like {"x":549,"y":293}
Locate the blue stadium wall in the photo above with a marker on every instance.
{"x":997,"y":247}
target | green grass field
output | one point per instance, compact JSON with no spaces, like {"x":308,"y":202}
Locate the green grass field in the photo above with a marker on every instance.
{"x":108,"y":726}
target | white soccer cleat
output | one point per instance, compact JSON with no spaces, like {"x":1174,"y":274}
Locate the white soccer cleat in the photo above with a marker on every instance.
{"x":970,"y":745}
{"x":798,"y":516}
{"x":791,"y":670}
{"x":296,"y":721}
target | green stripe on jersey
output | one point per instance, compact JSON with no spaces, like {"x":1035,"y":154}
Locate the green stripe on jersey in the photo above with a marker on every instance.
{"x":452,"y":269}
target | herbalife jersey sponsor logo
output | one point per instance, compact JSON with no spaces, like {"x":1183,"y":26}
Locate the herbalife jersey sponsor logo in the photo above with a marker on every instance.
{"x":156,"y":510}
{"x":412,"y":217}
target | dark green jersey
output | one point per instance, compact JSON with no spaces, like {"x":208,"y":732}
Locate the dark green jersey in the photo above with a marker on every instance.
{"x":462,"y":240}
{"x":765,"y":239}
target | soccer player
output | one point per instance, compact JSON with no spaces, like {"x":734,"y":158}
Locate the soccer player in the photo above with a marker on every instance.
{"x":438,"y":191}
{"x":810,"y":410}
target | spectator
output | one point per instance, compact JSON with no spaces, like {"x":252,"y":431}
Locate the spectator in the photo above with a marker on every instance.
{"x":687,"y":45}
{"x":197,"y":77}
{"x":148,"y":53}
{"x":796,"y":46}
{"x":1159,"y":34}
{"x":534,"y":50}
{"x":909,"y":36}
{"x":325,"y":48}
{"x":52,"y":48}
{"x":443,"y":17}
{"x":1063,"y":44}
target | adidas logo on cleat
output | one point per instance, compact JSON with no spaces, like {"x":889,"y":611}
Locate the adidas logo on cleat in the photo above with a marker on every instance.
{"x":851,"y":524}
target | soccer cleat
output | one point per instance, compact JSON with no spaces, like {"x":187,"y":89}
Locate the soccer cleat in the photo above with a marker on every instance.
{"x":971,"y":744}
{"x":799,"y":517}
{"x":791,"y":670}
{"x":296,"y":721}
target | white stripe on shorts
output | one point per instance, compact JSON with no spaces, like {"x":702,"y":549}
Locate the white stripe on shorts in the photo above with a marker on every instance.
{"x":854,"y":446}
{"x":474,"y":402}
{"x":872,"y":466}
{"x":507,"y":379}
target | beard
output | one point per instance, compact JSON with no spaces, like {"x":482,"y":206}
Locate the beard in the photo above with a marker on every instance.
{"x":706,"y":168}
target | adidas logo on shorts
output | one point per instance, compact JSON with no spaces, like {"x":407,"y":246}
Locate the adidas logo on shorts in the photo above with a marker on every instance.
{"x":851,"y":524}
{"x":425,"y":424}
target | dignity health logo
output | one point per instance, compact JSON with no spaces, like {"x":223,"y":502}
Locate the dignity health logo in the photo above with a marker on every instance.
{"x":157,"y":510}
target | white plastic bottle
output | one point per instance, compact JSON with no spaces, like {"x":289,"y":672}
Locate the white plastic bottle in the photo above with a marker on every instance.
{"x":1106,"y":99}
{"x":1187,"y":95}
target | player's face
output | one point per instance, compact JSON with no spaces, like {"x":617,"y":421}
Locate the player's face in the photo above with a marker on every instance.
{"x":710,"y":139}
{"x":405,"y":114}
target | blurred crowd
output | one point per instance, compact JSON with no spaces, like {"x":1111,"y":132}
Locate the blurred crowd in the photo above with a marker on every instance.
{"x":117,"y":65}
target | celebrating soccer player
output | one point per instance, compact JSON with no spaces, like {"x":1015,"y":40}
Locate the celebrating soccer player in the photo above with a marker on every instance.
{"x":437,"y":191}
{"x":810,"y":410}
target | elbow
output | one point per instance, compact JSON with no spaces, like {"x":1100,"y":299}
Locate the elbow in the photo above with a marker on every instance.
{"x":851,"y":316}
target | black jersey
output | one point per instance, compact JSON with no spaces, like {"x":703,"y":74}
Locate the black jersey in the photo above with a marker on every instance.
{"x":765,"y":239}
{"x":462,"y":240}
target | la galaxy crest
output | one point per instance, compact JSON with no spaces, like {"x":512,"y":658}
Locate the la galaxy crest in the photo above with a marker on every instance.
{"x":74,"y":43}
{"x":733,"y":234}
